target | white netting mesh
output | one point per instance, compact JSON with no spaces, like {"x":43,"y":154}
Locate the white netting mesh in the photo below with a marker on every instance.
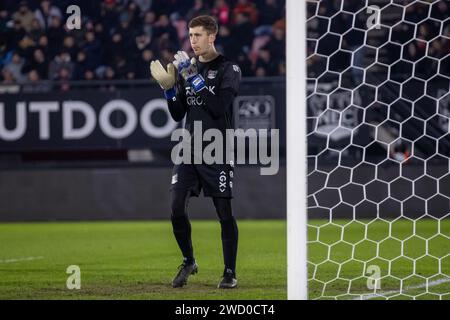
{"x":378,"y":149}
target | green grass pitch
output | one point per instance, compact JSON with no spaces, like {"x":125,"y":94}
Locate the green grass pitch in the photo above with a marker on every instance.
{"x":137,"y":260}
{"x":406,"y":254}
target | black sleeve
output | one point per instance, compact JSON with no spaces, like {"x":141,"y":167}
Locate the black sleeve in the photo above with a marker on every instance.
{"x":177,"y":105}
{"x":219,"y":103}
{"x":231,"y":78}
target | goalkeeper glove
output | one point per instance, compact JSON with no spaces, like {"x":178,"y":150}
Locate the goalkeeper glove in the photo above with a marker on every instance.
{"x":187,"y":68}
{"x":166,"y":79}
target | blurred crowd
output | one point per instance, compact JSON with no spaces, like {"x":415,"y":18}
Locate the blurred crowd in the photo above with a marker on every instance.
{"x":422,"y":28}
{"x":118,"y":38}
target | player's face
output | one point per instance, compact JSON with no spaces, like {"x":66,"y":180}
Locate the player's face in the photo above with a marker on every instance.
{"x":201,"y":41}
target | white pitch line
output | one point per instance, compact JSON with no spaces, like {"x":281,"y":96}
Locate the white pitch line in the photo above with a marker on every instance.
{"x":388,"y":293}
{"x":21,"y":259}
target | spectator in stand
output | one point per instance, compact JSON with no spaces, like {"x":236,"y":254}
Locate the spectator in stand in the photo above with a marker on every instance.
{"x":199,"y":8}
{"x":81,"y":66}
{"x":100,"y":33}
{"x":180,"y":25}
{"x":63,"y":76}
{"x":114,"y":48}
{"x":244,"y":64}
{"x":8,"y":84}
{"x":221,"y":11}
{"x":17,"y":34}
{"x":144,"y":5}
{"x":440,"y":10}
{"x":45,"y":12}
{"x":109,"y":14}
{"x":109,"y":76}
{"x":164,"y":30}
{"x":132,"y":15}
{"x":143,"y":66}
{"x":24,"y":16}
{"x":142,"y":42}
{"x":89,"y":75}
{"x":413,"y":52}
{"x":242,"y":32}
{"x":149,"y":21}
{"x":225,"y":43}
{"x":277,"y":43}
{"x":55,"y":35}
{"x":35,"y":84}
{"x":282,"y":68}
{"x":15,"y":68}
{"x":43,"y":45}
{"x":247,"y":8}
{"x":61,"y":61}
{"x":5,"y":54}
{"x":414,"y":13}
{"x":70,"y":46}
{"x":36,"y":30}
{"x":25,"y":48}
{"x":166,"y":56}
{"x":260,"y":72}
{"x":266,"y":62}
{"x":165,"y":45}
{"x":127,"y":32}
{"x":38,"y":63}
{"x":4,"y":18}
{"x":123,"y":34}
{"x":269,"y":12}
{"x":124,"y":69}
{"x":167,"y":7}
{"x":94,"y":50}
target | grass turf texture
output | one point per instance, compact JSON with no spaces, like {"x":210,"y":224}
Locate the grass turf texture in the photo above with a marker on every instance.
{"x":137,"y":260}
{"x":341,"y":252}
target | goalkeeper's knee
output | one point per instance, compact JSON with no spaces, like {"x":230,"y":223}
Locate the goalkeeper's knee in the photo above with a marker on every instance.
{"x":178,"y":204}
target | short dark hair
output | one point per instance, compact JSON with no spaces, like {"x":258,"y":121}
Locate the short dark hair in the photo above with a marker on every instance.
{"x":207,"y":22}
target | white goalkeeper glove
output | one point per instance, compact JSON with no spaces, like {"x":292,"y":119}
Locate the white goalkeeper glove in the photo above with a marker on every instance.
{"x":166,"y":79}
{"x":187,"y":68}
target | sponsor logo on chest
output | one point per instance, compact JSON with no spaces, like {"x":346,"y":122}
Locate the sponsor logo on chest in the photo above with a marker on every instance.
{"x":212,"y":74}
{"x":193,"y":99}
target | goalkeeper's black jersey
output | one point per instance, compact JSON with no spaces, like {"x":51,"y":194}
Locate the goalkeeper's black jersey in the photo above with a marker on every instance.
{"x":213,"y":105}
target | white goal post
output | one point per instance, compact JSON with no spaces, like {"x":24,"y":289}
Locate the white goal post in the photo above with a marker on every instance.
{"x":296,"y":149}
{"x":368,"y":149}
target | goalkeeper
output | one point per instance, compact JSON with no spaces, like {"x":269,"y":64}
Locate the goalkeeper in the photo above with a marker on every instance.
{"x":203,"y":90}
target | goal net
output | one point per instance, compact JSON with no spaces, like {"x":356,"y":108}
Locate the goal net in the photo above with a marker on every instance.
{"x":378,"y":108}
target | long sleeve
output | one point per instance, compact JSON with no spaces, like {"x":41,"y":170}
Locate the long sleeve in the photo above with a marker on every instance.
{"x":177,"y":104}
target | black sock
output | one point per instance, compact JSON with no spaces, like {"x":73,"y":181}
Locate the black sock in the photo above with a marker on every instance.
{"x":181,"y":225}
{"x":229,"y":243}
{"x":182,"y":231}
{"x":229,"y":233}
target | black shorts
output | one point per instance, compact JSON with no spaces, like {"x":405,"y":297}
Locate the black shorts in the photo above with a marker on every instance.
{"x":216,"y":180}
